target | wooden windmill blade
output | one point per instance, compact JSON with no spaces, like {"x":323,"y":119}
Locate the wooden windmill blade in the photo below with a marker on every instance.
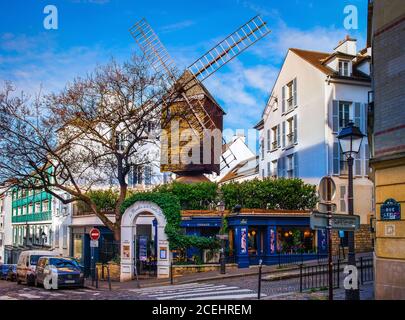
{"x":153,"y":49}
{"x":229,"y":48}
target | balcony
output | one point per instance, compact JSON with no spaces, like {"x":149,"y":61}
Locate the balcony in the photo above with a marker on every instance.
{"x":32,"y":217}
{"x":290,"y":104}
{"x":290,"y":139}
{"x":274,"y":145}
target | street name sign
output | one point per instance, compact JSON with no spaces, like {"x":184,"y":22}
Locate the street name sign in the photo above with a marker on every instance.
{"x":319,"y":221}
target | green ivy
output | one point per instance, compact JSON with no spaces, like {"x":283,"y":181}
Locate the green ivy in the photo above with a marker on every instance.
{"x":170,"y":205}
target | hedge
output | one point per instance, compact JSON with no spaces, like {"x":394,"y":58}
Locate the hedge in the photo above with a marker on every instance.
{"x":289,"y":194}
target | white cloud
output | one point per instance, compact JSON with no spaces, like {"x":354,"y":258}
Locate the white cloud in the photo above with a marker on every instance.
{"x":177,"y":26}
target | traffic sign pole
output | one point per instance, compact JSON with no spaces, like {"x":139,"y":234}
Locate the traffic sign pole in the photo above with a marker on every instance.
{"x":330,"y":262}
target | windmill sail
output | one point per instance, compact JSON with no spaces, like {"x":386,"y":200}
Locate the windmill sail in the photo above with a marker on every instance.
{"x":233,"y":45}
{"x":199,"y":111}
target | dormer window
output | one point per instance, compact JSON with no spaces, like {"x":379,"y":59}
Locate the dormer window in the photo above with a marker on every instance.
{"x":344,"y":68}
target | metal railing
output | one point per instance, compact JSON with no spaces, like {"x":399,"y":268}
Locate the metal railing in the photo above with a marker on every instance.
{"x":316,"y":276}
{"x":366,"y":269}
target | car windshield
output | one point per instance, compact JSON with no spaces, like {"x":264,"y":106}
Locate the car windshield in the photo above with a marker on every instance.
{"x":34,"y":259}
{"x":63,"y":263}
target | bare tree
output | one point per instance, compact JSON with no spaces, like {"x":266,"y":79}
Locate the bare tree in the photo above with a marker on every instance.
{"x":88,"y":136}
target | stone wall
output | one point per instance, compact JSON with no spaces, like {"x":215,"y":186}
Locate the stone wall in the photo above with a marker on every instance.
{"x":186,"y":269}
{"x":363,"y":239}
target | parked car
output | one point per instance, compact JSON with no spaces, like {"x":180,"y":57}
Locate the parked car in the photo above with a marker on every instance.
{"x":69,"y":271}
{"x":12,"y":273}
{"x":3,"y":271}
{"x":27,"y":263}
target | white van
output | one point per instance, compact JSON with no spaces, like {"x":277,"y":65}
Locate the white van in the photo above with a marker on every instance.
{"x":27,"y":263}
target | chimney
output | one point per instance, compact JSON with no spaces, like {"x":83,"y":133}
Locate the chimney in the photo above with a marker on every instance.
{"x":348,"y":46}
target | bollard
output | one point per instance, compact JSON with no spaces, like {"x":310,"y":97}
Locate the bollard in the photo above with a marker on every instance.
{"x":96,"y":275}
{"x":171,"y":272}
{"x":260,"y":279}
{"x":108,"y":276}
{"x":300,"y":277}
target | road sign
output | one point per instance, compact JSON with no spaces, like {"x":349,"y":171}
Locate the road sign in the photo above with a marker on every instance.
{"x":93,"y":243}
{"x":94,"y":234}
{"x":327,"y":189}
{"x":323,"y":207}
{"x":319,"y":221}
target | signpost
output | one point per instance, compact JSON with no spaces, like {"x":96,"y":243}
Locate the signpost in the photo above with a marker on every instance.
{"x":94,"y":236}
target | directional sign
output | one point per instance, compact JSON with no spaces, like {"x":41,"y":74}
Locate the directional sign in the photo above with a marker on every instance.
{"x":94,"y":234}
{"x":319,"y":221}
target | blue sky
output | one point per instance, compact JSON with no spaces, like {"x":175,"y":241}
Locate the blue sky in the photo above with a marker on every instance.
{"x":92,"y":31}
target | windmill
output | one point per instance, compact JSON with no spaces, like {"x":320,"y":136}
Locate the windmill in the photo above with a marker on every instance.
{"x":194,"y":106}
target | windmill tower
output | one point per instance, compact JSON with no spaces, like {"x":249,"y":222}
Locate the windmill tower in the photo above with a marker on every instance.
{"x":193,"y":108}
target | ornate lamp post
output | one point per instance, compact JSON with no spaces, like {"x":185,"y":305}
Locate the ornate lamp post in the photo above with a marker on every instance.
{"x":221,"y":209}
{"x":350,"y":139}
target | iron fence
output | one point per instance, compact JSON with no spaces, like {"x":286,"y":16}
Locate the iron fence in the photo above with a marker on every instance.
{"x":317,"y":276}
{"x":366,"y":269}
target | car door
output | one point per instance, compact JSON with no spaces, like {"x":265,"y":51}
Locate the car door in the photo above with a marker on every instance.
{"x":21,"y":267}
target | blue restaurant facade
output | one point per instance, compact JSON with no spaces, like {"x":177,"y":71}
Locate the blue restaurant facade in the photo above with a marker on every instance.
{"x":256,"y":235}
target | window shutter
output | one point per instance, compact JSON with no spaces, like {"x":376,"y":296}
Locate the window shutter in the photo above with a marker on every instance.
{"x":357,"y":163}
{"x":296,"y":165}
{"x":336,"y":154}
{"x":278,"y":136}
{"x":283,"y":137}
{"x":357,"y":115}
{"x":268,"y":140}
{"x":335,"y":116}
{"x":295,"y":129}
{"x":295,"y":92}
{"x":365,"y":117}
{"x":268,"y":169}
{"x":283,"y":99}
{"x":367,"y":158}
{"x":279,"y":168}
{"x":343,"y":198}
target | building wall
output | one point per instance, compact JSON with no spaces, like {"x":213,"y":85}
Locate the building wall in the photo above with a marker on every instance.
{"x":5,"y":225}
{"x":310,"y":119}
{"x":388,"y":163}
{"x":315,"y":143}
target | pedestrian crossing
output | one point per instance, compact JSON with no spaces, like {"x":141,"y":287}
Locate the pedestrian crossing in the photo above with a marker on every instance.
{"x":196,"y":291}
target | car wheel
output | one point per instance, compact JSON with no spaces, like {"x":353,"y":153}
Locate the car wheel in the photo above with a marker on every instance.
{"x":18,"y":281}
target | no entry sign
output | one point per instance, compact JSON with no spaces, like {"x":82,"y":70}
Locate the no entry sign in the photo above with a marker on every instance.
{"x":94,"y":234}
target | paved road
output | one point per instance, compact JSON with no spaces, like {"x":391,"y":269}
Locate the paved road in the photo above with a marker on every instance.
{"x":191,"y":291}
{"x":233,"y":288}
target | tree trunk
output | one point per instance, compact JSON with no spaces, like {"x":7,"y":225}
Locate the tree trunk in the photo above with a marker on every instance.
{"x":117,"y":233}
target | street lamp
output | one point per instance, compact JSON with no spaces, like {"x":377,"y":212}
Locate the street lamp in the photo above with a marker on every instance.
{"x":221,"y":209}
{"x":350,"y":139}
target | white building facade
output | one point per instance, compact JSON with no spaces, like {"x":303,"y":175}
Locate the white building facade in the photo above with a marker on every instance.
{"x":314,"y":96}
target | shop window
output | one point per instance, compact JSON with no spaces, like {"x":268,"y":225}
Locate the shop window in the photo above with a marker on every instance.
{"x":252,"y":241}
{"x":295,"y":240}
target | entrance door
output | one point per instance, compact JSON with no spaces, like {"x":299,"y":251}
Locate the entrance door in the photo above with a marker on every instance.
{"x":145,"y":251}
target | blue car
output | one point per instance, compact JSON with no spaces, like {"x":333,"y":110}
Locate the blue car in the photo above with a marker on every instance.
{"x":8,"y":271}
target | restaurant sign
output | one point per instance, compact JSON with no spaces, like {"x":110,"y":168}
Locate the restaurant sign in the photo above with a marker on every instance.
{"x":390,"y":210}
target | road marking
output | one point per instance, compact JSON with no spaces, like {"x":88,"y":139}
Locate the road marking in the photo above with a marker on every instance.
{"x":198,"y":291}
{"x":7,"y":298}
{"x":227,"y":297}
{"x":29,"y":296}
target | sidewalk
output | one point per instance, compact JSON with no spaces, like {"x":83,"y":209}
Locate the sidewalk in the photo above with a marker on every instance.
{"x":366,"y":293}
{"x":274,"y":270}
